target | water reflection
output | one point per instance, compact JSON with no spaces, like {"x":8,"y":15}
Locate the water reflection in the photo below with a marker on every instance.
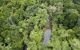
{"x":47,"y":35}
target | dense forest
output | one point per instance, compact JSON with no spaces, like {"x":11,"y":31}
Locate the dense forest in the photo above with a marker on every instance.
{"x":39,"y":24}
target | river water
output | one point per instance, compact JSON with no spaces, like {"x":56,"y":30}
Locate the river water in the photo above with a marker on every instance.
{"x":47,"y":35}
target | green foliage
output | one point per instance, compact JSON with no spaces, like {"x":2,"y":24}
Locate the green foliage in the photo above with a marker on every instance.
{"x":24,"y":21}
